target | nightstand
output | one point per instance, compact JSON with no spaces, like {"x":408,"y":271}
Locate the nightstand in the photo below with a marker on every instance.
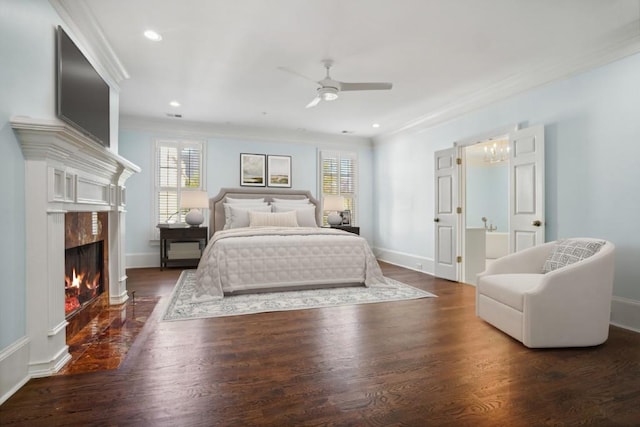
{"x":349,"y":228}
{"x":182,"y":246}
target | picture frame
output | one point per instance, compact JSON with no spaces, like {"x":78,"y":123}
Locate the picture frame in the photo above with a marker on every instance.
{"x":252,"y":170}
{"x":279,"y":171}
{"x":346,"y":217}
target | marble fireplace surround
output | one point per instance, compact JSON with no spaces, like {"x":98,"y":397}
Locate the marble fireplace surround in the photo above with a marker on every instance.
{"x":65,"y":171}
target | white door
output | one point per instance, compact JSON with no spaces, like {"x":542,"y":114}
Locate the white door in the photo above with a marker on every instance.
{"x":445,"y":214}
{"x":526,"y":184}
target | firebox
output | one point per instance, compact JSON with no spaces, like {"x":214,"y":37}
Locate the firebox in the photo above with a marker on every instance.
{"x":84,"y":276}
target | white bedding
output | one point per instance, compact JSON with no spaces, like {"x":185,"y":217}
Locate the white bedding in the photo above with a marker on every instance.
{"x":261,"y":258}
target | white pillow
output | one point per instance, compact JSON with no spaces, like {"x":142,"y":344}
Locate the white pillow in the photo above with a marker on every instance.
{"x":239,"y":216}
{"x":269,"y":219}
{"x":232,"y":200}
{"x":227,"y":210}
{"x":276,"y":200}
{"x":306,"y":214}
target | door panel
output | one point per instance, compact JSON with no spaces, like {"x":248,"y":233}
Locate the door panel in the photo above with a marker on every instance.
{"x":526,"y":183}
{"x":445,"y":218}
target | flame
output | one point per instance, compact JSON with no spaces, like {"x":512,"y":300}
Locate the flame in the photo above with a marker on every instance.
{"x":75,"y":281}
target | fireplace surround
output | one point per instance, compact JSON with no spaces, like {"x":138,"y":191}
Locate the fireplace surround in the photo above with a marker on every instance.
{"x":65,"y":171}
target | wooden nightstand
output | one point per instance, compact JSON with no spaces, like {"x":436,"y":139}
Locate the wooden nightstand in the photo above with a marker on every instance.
{"x":349,"y":228}
{"x":183,"y":255}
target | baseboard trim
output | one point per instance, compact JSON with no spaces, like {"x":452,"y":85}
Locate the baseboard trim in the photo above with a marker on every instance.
{"x":50,"y":367}
{"x":143,"y":260}
{"x":14,"y":368}
{"x":403,"y":259}
{"x":625,"y":313}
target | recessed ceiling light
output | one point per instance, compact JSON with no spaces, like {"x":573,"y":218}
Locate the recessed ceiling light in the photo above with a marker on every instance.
{"x":376,"y":125}
{"x":174,"y":103}
{"x":152,"y":35}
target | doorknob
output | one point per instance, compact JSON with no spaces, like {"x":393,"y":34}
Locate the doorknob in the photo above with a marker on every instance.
{"x":536,"y":223}
{"x":436,"y":219}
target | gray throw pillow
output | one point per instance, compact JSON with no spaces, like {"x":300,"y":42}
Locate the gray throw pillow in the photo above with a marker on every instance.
{"x":569,"y":251}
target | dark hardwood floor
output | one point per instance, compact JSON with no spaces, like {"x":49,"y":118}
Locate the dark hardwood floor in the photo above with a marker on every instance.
{"x":414,"y":363}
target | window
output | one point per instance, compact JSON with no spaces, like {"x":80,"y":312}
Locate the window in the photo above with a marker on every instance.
{"x":338,"y":176}
{"x":178,"y":166}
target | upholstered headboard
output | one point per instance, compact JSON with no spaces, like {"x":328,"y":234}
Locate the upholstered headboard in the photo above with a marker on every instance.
{"x":216,"y":207}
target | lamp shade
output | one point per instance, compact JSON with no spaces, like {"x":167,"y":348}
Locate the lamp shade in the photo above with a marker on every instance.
{"x":333,"y":203}
{"x":194,"y":199}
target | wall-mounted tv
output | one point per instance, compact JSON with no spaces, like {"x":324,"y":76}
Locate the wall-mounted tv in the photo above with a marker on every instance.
{"x":82,"y":95}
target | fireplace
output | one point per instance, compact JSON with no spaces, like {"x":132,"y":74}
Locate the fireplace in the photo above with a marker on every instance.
{"x":68,"y":179}
{"x":86,"y":275}
{"x":84,"y":272}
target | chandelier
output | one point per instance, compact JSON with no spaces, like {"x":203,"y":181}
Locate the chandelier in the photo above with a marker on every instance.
{"x":497,"y":152}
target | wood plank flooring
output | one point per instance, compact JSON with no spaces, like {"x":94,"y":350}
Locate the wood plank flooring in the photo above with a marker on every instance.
{"x":410,"y":363}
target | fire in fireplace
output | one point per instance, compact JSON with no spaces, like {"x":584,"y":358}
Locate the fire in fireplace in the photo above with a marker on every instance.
{"x":83,"y":280}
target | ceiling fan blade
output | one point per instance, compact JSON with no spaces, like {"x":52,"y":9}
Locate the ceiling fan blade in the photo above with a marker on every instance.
{"x":313,"y":103}
{"x":365,"y":86}
{"x":295,"y":73}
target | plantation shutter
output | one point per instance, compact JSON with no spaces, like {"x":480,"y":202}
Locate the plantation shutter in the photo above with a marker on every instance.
{"x":339,"y":177}
{"x":179,"y":165}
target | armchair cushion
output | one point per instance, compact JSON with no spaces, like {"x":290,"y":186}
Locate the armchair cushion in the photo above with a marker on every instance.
{"x":569,"y":251}
{"x":510,"y":288}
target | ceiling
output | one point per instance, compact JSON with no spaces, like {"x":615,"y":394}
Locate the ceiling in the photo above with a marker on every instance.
{"x":221,"y":59}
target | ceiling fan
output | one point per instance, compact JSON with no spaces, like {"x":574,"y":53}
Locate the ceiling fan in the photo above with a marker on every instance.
{"x":329,"y":88}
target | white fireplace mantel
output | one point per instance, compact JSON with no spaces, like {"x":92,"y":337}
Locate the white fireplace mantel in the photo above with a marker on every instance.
{"x":65,"y":171}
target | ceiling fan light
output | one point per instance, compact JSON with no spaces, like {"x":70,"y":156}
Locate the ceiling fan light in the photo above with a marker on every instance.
{"x":328,"y":93}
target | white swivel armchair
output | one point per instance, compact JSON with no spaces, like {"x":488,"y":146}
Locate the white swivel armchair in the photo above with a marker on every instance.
{"x":568,"y":306}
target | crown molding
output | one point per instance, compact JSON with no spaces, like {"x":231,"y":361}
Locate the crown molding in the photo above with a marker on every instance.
{"x":626,"y":42}
{"x":215,"y":130}
{"x":80,"y":20}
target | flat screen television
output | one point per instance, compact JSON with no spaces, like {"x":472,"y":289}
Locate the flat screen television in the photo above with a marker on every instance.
{"x":82,"y":95}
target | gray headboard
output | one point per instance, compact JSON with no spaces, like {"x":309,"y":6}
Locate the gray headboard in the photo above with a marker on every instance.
{"x":216,"y":207}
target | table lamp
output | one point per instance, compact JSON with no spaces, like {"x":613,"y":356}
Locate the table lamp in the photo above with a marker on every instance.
{"x":194,"y":200}
{"x":335,"y":204}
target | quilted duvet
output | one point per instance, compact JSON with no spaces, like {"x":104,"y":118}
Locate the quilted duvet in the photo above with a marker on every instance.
{"x":261,"y":258}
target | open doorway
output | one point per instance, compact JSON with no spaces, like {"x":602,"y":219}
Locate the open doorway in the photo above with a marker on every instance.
{"x":486,"y":201}
{"x":461,"y":250}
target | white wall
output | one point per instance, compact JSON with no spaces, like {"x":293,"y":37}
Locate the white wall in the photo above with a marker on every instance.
{"x":223,"y":170}
{"x":592,"y":137}
{"x":27,"y":87}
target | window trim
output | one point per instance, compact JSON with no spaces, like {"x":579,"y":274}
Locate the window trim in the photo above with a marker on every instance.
{"x":155,"y":185}
{"x":339,"y":154}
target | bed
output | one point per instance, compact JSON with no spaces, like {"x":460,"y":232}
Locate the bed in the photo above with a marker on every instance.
{"x":285,"y":255}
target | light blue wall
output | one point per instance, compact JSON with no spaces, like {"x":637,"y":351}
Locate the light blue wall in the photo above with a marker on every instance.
{"x":488,"y":195}
{"x":222,"y":170}
{"x":592,"y":137}
{"x":27,"y":87}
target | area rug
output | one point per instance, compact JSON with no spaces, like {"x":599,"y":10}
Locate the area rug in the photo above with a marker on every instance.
{"x":181,"y":307}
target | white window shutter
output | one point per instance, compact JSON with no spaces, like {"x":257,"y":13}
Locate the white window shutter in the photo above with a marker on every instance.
{"x":178,"y":165}
{"x":339,"y":172}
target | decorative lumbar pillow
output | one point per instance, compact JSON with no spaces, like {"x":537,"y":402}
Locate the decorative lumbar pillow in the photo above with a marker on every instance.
{"x":239,"y":216}
{"x":569,"y":251}
{"x":228,"y":216}
{"x":277,"y":200}
{"x":268,"y":219}
{"x":306,"y":214}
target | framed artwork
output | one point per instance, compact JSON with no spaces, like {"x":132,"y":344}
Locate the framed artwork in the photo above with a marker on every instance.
{"x":279,"y":171}
{"x":252,"y":170}
{"x":346,"y":217}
